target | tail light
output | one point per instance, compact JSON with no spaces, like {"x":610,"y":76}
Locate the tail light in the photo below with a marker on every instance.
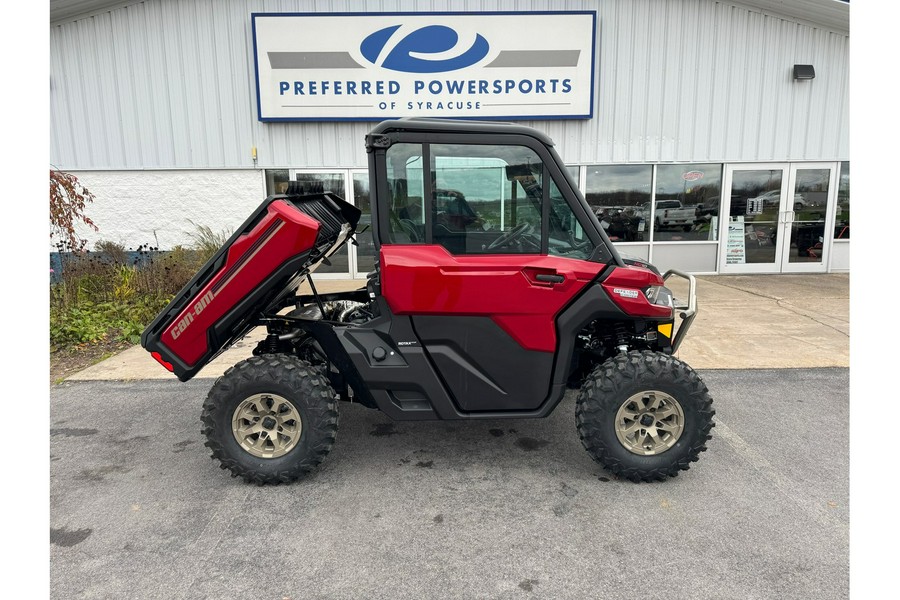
{"x":158,"y":357}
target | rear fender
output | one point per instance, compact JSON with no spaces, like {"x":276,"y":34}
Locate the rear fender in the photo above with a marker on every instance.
{"x":325,"y":333}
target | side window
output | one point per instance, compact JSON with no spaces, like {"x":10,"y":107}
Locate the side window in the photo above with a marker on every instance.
{"x":406,"y":183}
{"x":478,"y":199}
{"x":487,"y":199}
{"x":567,"y":236}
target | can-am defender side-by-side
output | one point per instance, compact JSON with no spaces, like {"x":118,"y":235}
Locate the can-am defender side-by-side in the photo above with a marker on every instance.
{"x":495,"y":290}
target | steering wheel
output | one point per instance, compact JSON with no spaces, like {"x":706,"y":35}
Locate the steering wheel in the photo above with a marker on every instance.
{"x":409,"y":229}
{"x":577,"y":246}
{"x":511,"y":235}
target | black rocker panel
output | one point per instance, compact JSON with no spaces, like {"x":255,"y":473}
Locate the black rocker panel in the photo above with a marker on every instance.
{"x":482,"y":366}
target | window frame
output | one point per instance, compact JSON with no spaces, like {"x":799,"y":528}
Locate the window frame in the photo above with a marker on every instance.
{"x":603,"y":251}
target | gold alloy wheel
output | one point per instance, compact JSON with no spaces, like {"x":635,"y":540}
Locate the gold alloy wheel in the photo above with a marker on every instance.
{"x":649,"y":423}
{"x":266,"y":425}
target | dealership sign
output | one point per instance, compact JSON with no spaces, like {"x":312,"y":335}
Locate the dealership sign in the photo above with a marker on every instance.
{"x":361,"y":67}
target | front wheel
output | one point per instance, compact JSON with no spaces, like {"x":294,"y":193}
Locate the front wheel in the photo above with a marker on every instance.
{"x":644,"y":416}
{"x":270,"y":419}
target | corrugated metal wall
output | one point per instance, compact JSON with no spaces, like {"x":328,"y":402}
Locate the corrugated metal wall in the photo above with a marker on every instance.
{"x":168,"y":84}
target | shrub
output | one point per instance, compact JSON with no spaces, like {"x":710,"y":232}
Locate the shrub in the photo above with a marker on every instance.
{"x":112,"y":251}
{"x":114,"y":293}
{"x":206,"y":241}
{"x":82,"y":324}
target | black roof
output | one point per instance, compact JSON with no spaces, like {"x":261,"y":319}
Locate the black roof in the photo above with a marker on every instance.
{"x":458,"y":126}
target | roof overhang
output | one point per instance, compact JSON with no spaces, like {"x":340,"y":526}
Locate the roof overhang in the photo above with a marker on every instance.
{"x":829,"y":14}
{"x":70,"y":10}
{"x":833,"y":15}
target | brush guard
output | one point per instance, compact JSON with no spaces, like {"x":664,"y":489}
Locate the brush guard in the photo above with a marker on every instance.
{"x":686,"y":310}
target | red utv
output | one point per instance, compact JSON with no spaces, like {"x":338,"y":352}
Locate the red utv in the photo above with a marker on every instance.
{"x":495,"y":291}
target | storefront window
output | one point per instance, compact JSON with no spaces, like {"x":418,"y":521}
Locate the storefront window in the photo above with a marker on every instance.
{"x":277,"y":181}
{"x":842,"y":220}
{"x":687,"y":202}
{"x":620,"y":197}
{"x":325,"y":182}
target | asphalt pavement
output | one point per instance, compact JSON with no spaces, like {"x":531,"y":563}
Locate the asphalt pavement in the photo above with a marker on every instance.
{"x":500,"y":509}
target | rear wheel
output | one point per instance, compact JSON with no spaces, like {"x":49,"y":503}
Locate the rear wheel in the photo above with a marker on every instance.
{"x":644,"y":416}
{"x":270,"y":419}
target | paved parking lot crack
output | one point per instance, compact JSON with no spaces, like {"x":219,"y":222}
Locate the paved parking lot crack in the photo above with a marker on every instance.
{"x":819,"y":513}
{"x":204,"y":547}
{"x":787,"y":305}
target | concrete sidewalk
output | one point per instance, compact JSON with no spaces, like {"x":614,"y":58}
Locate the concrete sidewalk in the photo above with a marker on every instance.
{"x":743,"y":322}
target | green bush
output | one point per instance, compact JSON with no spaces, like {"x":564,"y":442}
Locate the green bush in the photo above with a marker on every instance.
{"x":101,"y":296}
{"x":89,"y":323}
{"x":82,"y":324}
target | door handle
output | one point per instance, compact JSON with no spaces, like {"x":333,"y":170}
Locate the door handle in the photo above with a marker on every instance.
{"x":549,"y":278}
{"x":543,"y":276}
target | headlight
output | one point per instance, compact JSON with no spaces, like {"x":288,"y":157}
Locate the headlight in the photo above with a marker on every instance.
{"x":659,"y":295}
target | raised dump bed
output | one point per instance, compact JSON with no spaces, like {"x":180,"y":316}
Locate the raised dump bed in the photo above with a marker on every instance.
{"x":267,"y":259}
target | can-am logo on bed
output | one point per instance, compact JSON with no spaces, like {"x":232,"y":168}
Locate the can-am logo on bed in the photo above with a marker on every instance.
{"x":325,"y":67}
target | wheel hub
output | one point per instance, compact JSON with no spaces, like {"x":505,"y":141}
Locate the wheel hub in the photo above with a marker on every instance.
{"x":266,"y":425}
{"x":649,"y":423}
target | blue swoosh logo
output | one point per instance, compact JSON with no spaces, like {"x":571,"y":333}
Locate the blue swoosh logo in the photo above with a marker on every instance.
{"x":432,"y":39}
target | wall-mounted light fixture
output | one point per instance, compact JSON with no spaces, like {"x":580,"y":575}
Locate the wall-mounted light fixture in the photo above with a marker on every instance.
{"x":804,"y":72}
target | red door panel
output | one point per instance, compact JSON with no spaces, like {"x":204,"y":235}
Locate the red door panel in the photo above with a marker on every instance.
{"x":520,"y":292}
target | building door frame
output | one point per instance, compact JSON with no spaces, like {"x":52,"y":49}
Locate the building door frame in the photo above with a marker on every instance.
{"x":352,"y":271}
{"x":738,"y":238}
{"x":794,"y":217}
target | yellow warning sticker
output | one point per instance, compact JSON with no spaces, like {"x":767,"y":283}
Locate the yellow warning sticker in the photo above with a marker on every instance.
{"x":666,"y":329}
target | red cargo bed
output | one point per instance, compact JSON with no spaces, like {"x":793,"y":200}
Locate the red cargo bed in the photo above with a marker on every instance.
{"x":263,"y":262}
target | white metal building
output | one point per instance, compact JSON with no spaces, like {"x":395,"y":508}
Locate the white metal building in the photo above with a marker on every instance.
{"x":716,"y":138}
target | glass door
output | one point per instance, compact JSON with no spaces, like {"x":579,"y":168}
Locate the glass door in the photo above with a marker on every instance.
{"x":808,"y":216}
{"x":778,"y":218}
{"x":334,"y":181}
{"x":750,"y":240}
